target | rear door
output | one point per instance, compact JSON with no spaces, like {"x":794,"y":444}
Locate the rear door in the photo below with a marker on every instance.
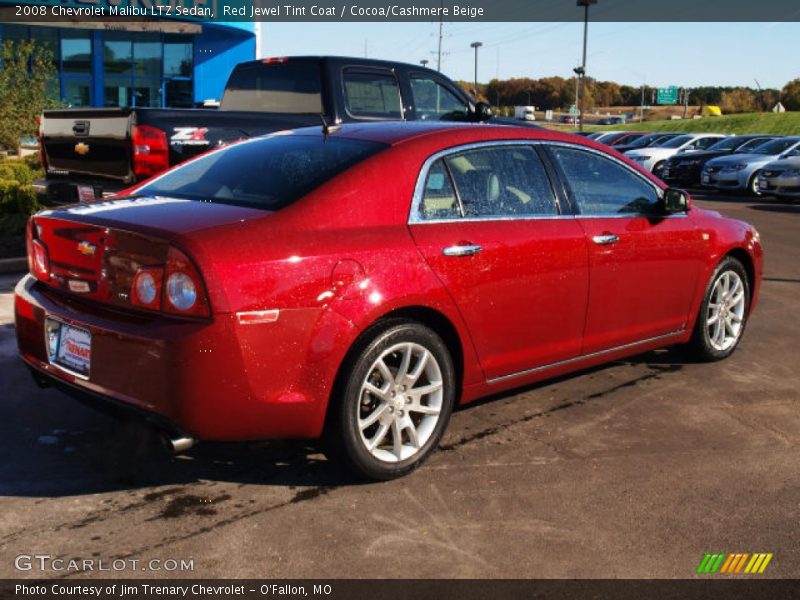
{"x":644,"y":264}
{"x":488,"y":222}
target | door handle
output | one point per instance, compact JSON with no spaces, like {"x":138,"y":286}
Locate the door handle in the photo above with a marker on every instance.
{"x":461,"y":250}
{"x":605,"y":239}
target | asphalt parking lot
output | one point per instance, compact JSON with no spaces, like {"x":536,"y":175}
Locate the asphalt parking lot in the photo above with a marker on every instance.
{"x":634,"y":469}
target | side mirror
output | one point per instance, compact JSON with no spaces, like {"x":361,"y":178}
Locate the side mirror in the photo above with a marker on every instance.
{"x":483,"y":111}
{"x":675,"y":201}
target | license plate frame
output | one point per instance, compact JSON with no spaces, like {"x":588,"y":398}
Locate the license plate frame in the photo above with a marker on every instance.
{"x":763,"y":185}
{"x":706,"y":179}
{"x":69,"y":347}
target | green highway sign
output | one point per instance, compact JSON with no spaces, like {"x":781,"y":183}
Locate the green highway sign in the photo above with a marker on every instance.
{"x":667,"y":95}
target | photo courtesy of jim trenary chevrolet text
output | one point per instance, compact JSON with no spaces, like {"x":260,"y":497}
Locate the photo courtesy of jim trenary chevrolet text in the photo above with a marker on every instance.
{"x":348,"y":299}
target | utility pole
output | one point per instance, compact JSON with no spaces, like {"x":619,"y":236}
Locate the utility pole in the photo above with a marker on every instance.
{"x":439,"y":53}
{"x":476,"y":45}
{"x":685,"y":102}
{"x":641,"y":107}
{"x":582,"y":74}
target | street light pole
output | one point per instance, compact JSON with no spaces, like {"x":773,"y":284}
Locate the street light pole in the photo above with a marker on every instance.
{"x":585,"y":4}
{"x":476,"y":45}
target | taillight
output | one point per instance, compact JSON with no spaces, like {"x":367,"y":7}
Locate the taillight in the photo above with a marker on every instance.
{"x":41,"y":261}
{"x":183,"y":291}
{"x":146,"y":288}
{"x":150,"y":151}
{"x":176,"y":288}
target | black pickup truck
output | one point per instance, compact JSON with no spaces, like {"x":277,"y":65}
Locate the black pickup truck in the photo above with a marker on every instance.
{"x":90,"y":153}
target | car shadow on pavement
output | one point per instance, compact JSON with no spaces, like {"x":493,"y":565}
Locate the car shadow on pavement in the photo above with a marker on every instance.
{"x":109,"y":454}
{"x":784,"y":208}
{"x":114,"y":455}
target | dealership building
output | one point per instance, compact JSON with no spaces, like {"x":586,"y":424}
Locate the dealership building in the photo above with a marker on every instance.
{"x":149,"y":62}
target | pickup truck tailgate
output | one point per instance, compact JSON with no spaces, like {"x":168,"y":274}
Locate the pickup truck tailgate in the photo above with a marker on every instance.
{"x":93,"y":142}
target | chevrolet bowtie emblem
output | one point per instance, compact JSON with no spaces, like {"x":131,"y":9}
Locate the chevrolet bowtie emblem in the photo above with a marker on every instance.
{"x":87,"y":249}
{"x":81,"y":148}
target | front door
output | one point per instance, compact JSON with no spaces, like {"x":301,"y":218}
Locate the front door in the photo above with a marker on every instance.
{"x":643,"y":263}
{"x":488,"y":223}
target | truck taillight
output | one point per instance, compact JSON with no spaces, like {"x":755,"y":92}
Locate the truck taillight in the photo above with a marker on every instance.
{"x":183,"y":290}
{"x":150,"y":151}
{"x":42,"y":155}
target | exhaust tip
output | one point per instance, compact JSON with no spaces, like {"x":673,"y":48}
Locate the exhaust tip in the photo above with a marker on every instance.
{"x":181,"y":444}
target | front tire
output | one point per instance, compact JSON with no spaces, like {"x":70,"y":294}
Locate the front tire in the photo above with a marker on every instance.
{"x":395,"y":401}
{"x":723,"y":313}
{"x":752,"y":186}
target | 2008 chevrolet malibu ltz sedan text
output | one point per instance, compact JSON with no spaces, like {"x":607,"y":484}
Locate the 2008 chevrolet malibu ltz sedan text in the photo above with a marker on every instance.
{"x":358,"y":283}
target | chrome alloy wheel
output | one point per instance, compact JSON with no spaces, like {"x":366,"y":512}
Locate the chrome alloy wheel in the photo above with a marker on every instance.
{"x":400,"y":402}
{"x":725,"y":316}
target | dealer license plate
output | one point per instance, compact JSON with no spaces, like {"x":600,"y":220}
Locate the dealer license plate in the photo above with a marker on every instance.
{"x":706,"y":179}
{"x":764,"y":185}
{"x":86,"y":193}
{"x":69,"y":347}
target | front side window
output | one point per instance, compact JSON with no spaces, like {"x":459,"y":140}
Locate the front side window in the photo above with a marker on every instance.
{"x":372,"y":95}
{"x":600,"y":186}
{"x":434,"y":102}
{"x":502,"y":181}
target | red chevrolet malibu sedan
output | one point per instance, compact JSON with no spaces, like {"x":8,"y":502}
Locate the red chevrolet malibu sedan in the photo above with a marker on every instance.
{"x":361,"y":282}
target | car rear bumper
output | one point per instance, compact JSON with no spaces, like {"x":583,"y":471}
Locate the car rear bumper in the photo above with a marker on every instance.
{"x":780,"y":186}
{"x":724,"y":180}
{"x":215,"y":380}
{"x":680,"y":175}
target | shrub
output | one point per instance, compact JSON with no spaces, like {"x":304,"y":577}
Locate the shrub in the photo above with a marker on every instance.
{"x":17,"y":170}
{"x":27,"y":87}
{"x":17,"y":198}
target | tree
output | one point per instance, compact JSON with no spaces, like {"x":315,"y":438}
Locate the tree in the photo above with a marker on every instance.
{"x":790,"y":96}
{"x":739,"y":100}
{"x":27,"y":79}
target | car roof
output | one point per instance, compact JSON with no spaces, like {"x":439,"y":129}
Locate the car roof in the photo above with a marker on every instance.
{"x":398,"y":132}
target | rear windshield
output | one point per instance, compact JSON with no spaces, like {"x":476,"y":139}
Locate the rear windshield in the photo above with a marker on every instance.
{"x":269,"y":173}
{"x":289,"y":87}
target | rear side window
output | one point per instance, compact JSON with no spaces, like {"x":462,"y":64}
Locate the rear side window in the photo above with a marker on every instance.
{"x":268,"y":173}
{"x":439,"y":199}
{"x":502,"y":181}
{"x":290,"y":87}
{"x":600,"y":186}
{"x":372,"y":95}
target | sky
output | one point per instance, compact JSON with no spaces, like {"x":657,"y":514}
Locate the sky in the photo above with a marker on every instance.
{"x":656,"y":54}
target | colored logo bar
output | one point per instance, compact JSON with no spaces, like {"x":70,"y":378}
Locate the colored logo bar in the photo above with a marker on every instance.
{"x":738,"y":562}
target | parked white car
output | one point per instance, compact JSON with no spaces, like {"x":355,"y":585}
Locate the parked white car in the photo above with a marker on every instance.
{"x":653,"y":157}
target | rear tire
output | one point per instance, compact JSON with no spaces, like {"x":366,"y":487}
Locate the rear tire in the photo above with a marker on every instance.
{"x":394,"y":401}
{"x":723,"y":313}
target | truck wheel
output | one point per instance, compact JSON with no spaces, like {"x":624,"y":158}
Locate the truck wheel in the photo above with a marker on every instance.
{"x":395,"y":402}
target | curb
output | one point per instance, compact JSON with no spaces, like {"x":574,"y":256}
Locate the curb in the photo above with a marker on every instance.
{"x":13,"y":265}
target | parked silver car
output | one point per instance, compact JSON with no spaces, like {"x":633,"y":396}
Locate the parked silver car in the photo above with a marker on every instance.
{"x":781,"y":178}
{"x":738,"y":172}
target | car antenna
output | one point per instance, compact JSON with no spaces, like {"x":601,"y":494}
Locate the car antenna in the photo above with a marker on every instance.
{"x":327,"y":128}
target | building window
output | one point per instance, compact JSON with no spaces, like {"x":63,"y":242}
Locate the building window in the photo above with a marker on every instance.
{"x":138,"y":68}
